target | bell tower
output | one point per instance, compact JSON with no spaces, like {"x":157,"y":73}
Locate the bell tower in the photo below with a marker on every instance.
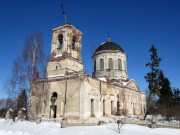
{"x":65,"y":51}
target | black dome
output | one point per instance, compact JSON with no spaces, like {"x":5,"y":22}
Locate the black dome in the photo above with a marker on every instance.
{"x":109,"y":46}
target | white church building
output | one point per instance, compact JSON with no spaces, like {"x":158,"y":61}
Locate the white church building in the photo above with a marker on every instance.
{"x":67,"y":91}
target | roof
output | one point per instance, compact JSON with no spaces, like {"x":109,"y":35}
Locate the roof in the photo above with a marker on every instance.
{"x":109,"y":46}
{"x":67,"y":25}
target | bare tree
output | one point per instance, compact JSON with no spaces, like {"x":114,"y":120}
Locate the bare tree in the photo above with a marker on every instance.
{"x":151,"y":101}
{"x":2,"y":103}
{"x":11,"y":103}
{"x":33,"y":56}
{"x":26,"y":66}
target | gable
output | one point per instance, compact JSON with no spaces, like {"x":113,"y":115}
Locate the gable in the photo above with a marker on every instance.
{"x":133,"y":85}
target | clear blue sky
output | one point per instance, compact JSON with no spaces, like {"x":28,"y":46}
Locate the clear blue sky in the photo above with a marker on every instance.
{"x":133,"y":24}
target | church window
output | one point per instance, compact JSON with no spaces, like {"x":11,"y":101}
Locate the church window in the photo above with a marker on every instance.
{"x":92,"y":107}
{"x":54,"y":94}
{"x":94,"y":65}
{"x":119,"y":64}
{"x":104,"y":107}
{"x":110,"y":63}
{"x":60,"y":40}
{"x":73,"y":43}
{"x":111,"y":107}
{"x":125,"y":65}
{"x":101,"y":64}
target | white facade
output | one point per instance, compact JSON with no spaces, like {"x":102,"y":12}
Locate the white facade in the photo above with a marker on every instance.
{"x":69,"y":92}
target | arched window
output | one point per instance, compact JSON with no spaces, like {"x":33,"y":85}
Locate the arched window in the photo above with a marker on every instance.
{"x":94,"y":65}
{"x":60,"y":40}
{"x":73,"y":43}
{"x":53,"y":98}
{"x":54,"y":94}
{"x":101,"y":64}
{"x":110,"y":63}
{"x":119,"y":64}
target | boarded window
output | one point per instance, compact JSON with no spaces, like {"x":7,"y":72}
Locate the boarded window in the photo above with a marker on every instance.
{"x":110,"y":63}
{"x":101,"y":64}
{"x":119,"y":64}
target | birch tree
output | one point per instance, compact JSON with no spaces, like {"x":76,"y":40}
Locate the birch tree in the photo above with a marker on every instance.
{"x":26,"y":65}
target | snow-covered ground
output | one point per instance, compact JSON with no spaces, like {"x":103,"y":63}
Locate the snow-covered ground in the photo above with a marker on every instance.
{"x":8,"y":127}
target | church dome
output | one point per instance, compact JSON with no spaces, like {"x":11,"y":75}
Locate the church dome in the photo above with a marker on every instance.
{"x":109,"y":62}
{"x":109,"y":46}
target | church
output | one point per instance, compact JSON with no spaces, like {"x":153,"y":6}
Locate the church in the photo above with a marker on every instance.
{"x":69,"y":92}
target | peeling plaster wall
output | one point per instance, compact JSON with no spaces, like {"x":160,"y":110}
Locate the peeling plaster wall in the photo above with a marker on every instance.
{"x":75,"y":89}
{"x":79,"y":92}
{"x":62,"y":66}
{"x":72,"y":106}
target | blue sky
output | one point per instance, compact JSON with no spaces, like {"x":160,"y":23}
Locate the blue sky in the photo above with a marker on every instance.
{"x":134,"y":25}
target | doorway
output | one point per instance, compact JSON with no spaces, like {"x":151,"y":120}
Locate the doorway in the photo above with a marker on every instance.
{"x":104,"y":109}
{"x":92,"y":107}
{"x":53,"y":111}
{"x":111,"y":107}
{"x":53,"y":106}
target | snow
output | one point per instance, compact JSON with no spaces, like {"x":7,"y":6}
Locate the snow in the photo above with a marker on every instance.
{"x":102,"y":79}
{"x":103,"y":43}
{"x":24,"y":109}
{"x":8,"y":127}
{"x":11,"y":110}
{"x":51,"y":76}
{"x":58,"y":55}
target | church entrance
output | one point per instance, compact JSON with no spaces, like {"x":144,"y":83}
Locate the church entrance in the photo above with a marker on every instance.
{"x":92,"y":107}
{"x":53,"y":111}
{"x":53,"y":106}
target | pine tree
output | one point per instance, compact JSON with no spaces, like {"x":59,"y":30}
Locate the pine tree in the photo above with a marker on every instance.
{"x":176,"y":103}
{"x":176,"y":96}
{"x":152,"y":76}
{"x":22,"y":100}
{"x":166,"y":96}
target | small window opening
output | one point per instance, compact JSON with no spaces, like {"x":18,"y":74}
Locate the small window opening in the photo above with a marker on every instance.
{"x":110,"y":63}
{"x":95,"y":66}
{"x":73,"y":43}
{"x":119,"y":64}
{"x":101,"y":64}
{"x":60,"y":39}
